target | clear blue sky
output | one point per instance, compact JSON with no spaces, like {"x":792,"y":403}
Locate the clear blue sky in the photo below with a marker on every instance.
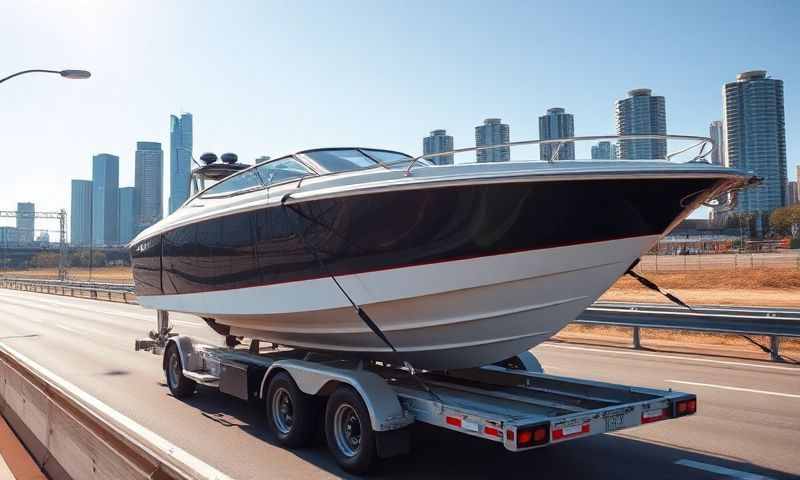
{"x":269,"y":78}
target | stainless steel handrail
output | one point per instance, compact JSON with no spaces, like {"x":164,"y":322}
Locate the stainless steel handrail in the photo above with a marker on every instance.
{"x":702,"y":142}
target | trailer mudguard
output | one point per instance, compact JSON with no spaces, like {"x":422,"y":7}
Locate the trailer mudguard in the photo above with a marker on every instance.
{"x":313,"y":378}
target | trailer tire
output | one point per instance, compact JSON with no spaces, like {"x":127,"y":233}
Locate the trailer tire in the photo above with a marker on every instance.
{"x":290,"y":412}
{"x":348,"y":431}
{"x":179,"y":385}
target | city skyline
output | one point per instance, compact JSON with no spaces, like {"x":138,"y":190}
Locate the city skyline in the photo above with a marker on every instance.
{"x":265,"y":109}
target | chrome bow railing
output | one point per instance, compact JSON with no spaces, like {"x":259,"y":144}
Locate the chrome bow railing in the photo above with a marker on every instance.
{"x":701,"y":143}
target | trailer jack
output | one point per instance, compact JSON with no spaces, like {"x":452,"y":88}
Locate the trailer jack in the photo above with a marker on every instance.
{"x":158,"y":338}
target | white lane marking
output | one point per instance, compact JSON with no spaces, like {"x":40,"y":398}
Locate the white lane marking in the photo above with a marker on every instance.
{"x":82,"y":330}
{"x":70,"y":329}
{"x":119,"y":420}
{"x":674,"y":357}
{"x":737,"y":389}
{"x":729,"y":472}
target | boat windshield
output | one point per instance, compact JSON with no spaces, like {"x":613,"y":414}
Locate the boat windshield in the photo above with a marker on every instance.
{"x":387,"y":157}
{"x":341,"y":160}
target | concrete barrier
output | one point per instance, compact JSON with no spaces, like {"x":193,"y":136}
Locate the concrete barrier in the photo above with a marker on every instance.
{"x":71,"y":435}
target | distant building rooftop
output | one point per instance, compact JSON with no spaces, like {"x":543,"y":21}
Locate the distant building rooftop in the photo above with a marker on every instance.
{"x":640,"y":92}
{"x":751,"y":75}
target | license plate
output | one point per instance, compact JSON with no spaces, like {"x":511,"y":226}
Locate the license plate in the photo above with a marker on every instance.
{"x":614,"y":422}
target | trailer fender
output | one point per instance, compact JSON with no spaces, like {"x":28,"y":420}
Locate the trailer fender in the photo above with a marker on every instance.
{"x":189,"y":357}
{"x":311,"y":378}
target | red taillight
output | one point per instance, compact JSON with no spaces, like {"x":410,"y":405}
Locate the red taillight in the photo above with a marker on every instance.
{"x":685,"y":407}
{"x":492,"y":432}
{"x":456,"y":422}
{"x":532,"y":436}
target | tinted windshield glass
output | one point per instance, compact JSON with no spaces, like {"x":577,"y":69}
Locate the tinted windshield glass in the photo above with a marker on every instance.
{"x":341,"y":160}
{"x":282,"y":171}
{"x":244,"y":181}
{"x":387,"y":157}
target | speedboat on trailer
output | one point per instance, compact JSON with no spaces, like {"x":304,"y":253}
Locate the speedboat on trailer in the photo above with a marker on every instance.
{"x":377,"y":254}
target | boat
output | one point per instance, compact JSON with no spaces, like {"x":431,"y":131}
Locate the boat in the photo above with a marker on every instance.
{"x":385,"y":256}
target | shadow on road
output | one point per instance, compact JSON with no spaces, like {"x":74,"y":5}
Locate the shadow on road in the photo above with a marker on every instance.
{"x":438,"y":453}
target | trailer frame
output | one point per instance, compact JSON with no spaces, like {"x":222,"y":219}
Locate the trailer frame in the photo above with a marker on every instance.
{"x":515,"y":404}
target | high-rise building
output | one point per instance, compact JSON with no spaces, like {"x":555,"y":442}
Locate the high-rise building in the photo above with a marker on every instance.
{"x":604,"y":151}
{"x":26,"y":223}
{"x":148,"y":204}
{"x":755,"y":137}
{"x":792,"y":194}
{"x":180,"y":159}
{"x":717,"y":134}
{"x":438,"y":141}
{"x":8,"y":237}
{"x":80,"y":221}
{"x":126,"y":216}
{"x":492,"y":132}
{"x":556,"y":124}
{"x":105,"y":197}
{"x":641,"y":113}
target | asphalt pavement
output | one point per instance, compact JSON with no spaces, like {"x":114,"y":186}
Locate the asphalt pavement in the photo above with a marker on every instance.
{"x":747,"y":426}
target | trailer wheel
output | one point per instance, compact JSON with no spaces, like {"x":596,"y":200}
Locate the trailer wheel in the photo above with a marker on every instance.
{"x":179,"y":386}
{"x":290,"y":412}
{"x":348,"y":431}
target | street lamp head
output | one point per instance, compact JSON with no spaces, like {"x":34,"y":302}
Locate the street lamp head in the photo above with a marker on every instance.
{"x":75,"y":74}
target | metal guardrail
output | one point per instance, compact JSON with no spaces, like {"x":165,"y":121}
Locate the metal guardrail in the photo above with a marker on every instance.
{"x":771,"y":322}
{"x":96,"y":291}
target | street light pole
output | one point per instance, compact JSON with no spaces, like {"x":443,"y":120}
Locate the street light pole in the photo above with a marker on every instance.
{"x":71,"y":74}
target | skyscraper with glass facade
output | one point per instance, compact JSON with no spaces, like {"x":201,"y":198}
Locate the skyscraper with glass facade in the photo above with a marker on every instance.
{"x":717,"y":135}
{"x":556,"y":124}
{"x":126,"y":216}
{"x":492,"y":132}
{"x":604,"y":151}
{"x":641,"y":113}
{"x":26,"y":223}
{"x":438,"y":141}
{"x":105,"y":198}
{"x":148,"y":205}
{"x":80,"y":220}
{"x":792,"y":194}
{"x":755,"y":137}
{"x":180,"y":159}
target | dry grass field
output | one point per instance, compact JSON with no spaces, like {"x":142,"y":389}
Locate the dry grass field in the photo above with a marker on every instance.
{"x":101,"y":274}
{"x":765,"y":287}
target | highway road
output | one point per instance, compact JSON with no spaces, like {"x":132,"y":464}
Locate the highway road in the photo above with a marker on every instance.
{"x":748,"y":425}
